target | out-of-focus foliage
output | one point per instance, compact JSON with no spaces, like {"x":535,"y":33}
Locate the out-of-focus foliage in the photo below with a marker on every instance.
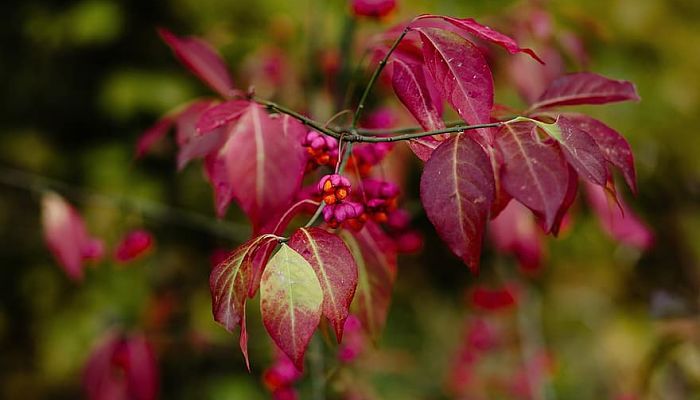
{"x":82,"y":80}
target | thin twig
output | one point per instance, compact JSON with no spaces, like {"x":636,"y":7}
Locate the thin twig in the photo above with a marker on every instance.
{"x":375,"y":75}
{"x":38,"y":184}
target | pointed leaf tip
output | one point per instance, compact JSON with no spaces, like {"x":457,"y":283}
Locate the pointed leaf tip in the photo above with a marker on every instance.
{"x":201,"y":59}
{"x":290,"y":302}
{"x":457,"y":189}
{"x":335,"y":269}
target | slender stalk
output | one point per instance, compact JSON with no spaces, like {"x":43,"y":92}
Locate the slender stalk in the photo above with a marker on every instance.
{"x":375,"y":75}
{"x":408,"y":136}
{"x":408,"y":129}
{"x":39,"y":184}
{"x":301,"y":118}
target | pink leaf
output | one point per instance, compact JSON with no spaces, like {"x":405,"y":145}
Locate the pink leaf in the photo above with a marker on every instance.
{"x":461,"y":74}
{"x":202,"y":60}
{"x":153,"y":135}
{"x":486,"y":33}
{"x":569,"y":197}
{"x":335,"y":268}
{"x":613,"y":145}
{"x":229,"y":282}
{"x":376,"y":259}
{"x":581,"y":151}
{"x":67,"y":237}
{"x":290,"y":302}
{"x":217,"y":175}
{"x":411,"y":88}
{"x":515,"y":231}
{"x":266,"y":166}
{"x":193,"y":146}
{"x":533,"y":172}
{"x":620,"y":222}
{"x":122,"y":367}
{"x":372,"y":8}
{"x":457,"y":190}
{"x":585,"y":88}
{"x":221,"y":114}
{"x":133,"y":245}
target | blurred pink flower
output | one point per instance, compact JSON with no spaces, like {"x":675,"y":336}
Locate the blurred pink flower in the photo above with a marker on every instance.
{"x":372,"y":8}
{"x":67,"y":237}
{"x":133,"y":245}
{"x":121,"y":368}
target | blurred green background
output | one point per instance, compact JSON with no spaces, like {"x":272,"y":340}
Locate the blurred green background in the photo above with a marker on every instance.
{"x":83,"y":79}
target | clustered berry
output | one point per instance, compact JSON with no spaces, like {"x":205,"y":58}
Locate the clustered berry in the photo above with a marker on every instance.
{"x":382,"y":198}
{"x":407,"y":239}
{"x":335,"y":192}
{"x":322,"y":150}
{"x":366,"y":156}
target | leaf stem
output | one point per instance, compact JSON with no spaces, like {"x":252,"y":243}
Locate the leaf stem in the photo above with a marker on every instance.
{"x":356,"y":137}
{"x":301,"y":118}
{"x":375,"y":75}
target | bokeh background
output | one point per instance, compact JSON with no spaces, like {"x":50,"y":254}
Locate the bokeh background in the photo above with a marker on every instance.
{"x":81,"y":80}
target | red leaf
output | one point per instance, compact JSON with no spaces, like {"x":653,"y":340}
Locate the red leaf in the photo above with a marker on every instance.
{"x":569,"y":197}
{"x":533,"y":172}
{"x":221,"y":114}
{"x":217,"y":174}
{"x":290,"y":302}
{"x":461,"y":74}
{"x":376,"y":259}
{"x":619,"y":221}
{"x":133,"y":245}
{"x":581,"y":151}
{"x":193,"y":146}
{"x":202,"y":60}
{"x":486,"y":33}
{"x":335,"y":268}
{"x":153,"y":135}
{"x":229,"y":283}
{"x":67,"y":237}
{"x":585,"y":88}
{"x":457,"y":190}
{"x":515,"y":231}
{"x":412,"y":89}
{"x":613,"y":145}
{"x":266,"y":166}
{"x":121,"y":367}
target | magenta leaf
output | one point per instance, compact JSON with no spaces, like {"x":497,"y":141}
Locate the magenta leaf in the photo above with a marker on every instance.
{"x":335,"y":269}
{"x":221,"y":114}
{"x":457,"y":190}
{"x":585,"y":88}
{"x":412,"y":90}
{"x":229,"y":282}
{"x":484,"y":32}
{"x":376,"y":258}
{"x":291,"y":301}
{"x":67,"y":237}
{"x":121,"y":367}
{"x":266,"y":166}
{"x":153,"y":135}
{"x":202,"y":60}
{"x":615,"y":148}
{"x":569,"y":197}
{"x":217,"y":175}
{"x":192,"y":146}
{"x":461,"y":74}
{"x":533,"y":172}
{"x":619,"y":221}
{"x":579,"y":149}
